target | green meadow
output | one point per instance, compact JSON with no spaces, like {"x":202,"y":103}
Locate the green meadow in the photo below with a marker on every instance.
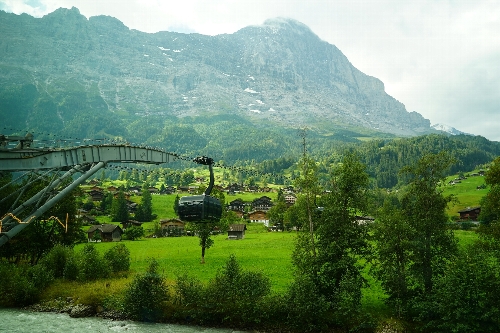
{"x":268,"y":252}
{"x":465,"y":193}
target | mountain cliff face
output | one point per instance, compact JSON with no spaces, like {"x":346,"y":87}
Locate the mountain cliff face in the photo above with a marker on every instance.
{"x":59,"y":69}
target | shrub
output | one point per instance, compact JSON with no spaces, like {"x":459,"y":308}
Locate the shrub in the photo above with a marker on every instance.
{"x":56,"y":259}
{"x":145,"y":296}
{"x":91,"y":266}
{"x":307,"y":309}
{"x":18,"y":286}
{"x":118,"y":258}
{"x":464,"y":299}
{"x":71,"y":268}
{"x":40,"y":277}
{"x":234,"y":297}
{"x":133,"y":233}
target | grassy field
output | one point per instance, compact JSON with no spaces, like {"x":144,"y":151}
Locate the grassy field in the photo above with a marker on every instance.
{"x":268,"y":252}
{"x":466,"y":193}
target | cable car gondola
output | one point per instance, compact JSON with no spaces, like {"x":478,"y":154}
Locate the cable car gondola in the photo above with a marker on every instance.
{"x":201,"y":208}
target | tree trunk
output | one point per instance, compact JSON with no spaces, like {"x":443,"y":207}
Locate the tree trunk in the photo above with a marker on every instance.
{"x":202,"y":255}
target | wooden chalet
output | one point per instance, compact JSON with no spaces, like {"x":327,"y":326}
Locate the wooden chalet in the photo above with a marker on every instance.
{"x":259,"y":216}
{"x":88,"y":219}
{"x":236,"y":231}
{"x":237,"y":205}
{"x":153,"y":190}
{"x":113,"y":188}
{"x":234,"y":188}
{"x":96,"y":195}
{"x":168,"y":190}
{"x":290,"y":199}
{"x":109,"y":232}
{"x":263,"y":203}
{"x":182,"y":188}
{"x":172,"y":227}
{"x":131,"y":223}
{"x":470,"y":213}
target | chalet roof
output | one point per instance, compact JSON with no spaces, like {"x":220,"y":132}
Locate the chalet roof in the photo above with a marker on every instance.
{"x":237,"y":227}
{"x":469,"y":209}
{"x":105,"y":228}
{"x":263,"y":198}
{"x":257,"y":211}
{"x":171,"y":221}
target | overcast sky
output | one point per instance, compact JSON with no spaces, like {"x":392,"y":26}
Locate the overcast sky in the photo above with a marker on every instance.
{"x":440,"y":58}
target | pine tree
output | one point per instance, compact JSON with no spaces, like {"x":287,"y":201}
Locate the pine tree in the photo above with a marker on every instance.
{"x":119,"y":209}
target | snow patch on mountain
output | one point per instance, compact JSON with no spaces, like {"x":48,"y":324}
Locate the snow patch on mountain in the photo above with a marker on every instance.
{"x":448,"y":129}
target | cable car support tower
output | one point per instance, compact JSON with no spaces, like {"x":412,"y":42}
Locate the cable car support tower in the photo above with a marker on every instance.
{"x":85,"y":160}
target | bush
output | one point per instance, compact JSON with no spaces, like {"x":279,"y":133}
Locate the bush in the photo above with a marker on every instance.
{"x":133,"y":233}
{"x":91,"y":266}
{"x":307,"y":309}
{"x":145,"y":296}
{"x":233,"y":298}
{"x":22,"y":286}
{"x":71,"y":268}
{"x":56,"y":259}
{"x":118,"y":258}
{"x":464,"y":298}
{"x":40,"y":277}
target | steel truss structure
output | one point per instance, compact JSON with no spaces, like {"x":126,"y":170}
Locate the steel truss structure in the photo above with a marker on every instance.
{"x":86,"y":160}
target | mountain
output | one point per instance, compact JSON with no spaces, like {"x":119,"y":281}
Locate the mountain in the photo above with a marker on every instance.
{"x":448,"y":129}
{"x":73,"y":76}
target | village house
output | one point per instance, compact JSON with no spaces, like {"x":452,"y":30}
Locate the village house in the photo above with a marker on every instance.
{"x":131,"y":223}
{"x":469,"y":213}
{"x":290,"y":199}
{"x":168,"y":190}
{"x":236,"y":231}
{"x":135,"y":190}
{"x":113,"y":188}
{"x":182,"y":188}
{"x":96,"y":195}
{"x":153,"y":190}
{"x":88,"y":219}
{"x":108,"y":232}
{"x":237,"y":205}
{"x":263,"y":203}
{"x":259,"y":216}
{"x":172,"y":227}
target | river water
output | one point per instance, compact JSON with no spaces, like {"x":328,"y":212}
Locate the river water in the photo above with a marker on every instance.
{"x":22,"y":321}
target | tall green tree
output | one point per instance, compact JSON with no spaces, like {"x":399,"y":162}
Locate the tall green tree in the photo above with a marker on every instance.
{"x":392,"y":233}
{"x":119,"y":209}
{"x":176,"y":204}
{"x":413,"y":243}
{"x":144,"y":211}
{"x":309,"y":187}
{"x":424,"y":206}
{"x":107,"y":202}
{"x":339,"y":240}
{"x":276,"y":213}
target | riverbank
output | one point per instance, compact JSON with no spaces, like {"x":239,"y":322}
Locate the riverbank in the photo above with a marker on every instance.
{"x":75,"y":310}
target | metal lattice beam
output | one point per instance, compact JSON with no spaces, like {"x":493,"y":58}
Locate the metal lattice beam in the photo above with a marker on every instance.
{"x":84,"y":159}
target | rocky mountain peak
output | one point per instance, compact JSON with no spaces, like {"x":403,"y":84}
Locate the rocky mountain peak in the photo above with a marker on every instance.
{"x":279,"y":73}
